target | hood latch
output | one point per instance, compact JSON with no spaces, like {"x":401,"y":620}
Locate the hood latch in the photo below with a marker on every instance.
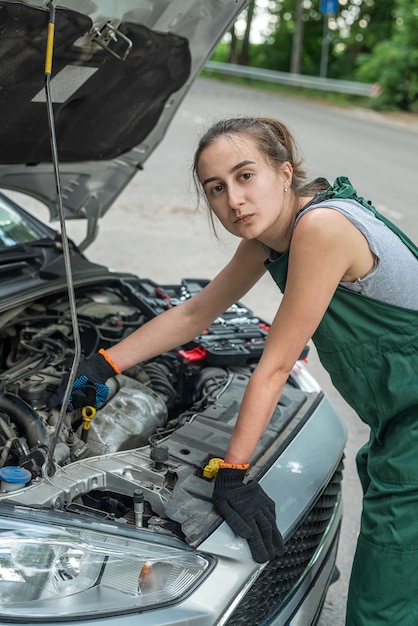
{"x":107,"y":36}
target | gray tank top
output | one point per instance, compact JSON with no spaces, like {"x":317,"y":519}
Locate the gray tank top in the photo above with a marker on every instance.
{"x":394,"y":279}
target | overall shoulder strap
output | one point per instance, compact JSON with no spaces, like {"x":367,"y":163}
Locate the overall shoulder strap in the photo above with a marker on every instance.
{"x":343,"y":189}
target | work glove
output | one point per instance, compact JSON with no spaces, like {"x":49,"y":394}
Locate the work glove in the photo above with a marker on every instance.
{"x":249,"y":512}
{"x":89,"y":388}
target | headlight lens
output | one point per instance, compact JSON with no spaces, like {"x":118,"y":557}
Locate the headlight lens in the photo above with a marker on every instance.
{"x":50,"y":572}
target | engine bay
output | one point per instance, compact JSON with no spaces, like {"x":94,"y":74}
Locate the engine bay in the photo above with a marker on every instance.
{"x":144,"y":457}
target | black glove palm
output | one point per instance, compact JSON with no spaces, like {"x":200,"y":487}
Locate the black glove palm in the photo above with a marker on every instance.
{"x":249,"y":512}
{"x":89,"y":388}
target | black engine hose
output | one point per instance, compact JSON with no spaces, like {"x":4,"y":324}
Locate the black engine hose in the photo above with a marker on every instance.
{"x":160,"y":381}
{"x":26,"y":419}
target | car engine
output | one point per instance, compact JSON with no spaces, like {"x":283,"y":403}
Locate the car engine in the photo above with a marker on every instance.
{"x":145,"y":456}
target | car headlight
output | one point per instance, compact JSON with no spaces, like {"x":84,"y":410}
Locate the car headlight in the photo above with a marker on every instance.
{"x":48,"y":572}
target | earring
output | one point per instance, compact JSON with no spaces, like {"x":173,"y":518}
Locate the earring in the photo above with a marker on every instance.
{"x":286,"y":189}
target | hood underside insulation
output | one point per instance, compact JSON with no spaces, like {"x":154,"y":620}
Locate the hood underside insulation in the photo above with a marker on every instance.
{"x":103,"y":105}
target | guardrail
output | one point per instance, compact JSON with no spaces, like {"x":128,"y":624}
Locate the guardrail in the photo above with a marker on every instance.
{"x":296,"y":80}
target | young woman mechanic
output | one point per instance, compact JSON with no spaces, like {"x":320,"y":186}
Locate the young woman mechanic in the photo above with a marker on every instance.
{"x":350,"y":282}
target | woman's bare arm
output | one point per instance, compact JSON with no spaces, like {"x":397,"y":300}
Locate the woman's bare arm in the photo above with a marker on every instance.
{"x":185,"y":321}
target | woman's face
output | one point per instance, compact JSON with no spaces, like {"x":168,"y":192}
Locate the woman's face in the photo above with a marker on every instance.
{"x":243,"y":189}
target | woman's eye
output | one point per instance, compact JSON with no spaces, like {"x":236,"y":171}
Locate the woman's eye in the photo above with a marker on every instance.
{"x":246,"y":176}
{"x":217,"y":189}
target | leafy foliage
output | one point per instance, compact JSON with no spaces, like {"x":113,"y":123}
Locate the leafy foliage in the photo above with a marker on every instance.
{"x":393,"y":63}
{"x":368,"y":40}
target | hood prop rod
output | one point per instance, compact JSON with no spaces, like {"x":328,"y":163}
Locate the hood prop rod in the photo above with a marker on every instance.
{"x":50,"y":467}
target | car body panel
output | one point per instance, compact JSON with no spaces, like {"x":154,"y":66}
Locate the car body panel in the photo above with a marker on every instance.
{"x":207,"y":607}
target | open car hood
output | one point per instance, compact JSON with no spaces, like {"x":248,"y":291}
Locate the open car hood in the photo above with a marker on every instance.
{"x":120,"y":70}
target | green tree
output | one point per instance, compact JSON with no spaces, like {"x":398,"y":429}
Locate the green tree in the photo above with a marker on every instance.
{"x":354,"y":30}
{"x":393,"y":63}
{"x":239,"y":48}
{"x":358,"y":28}
{"x":276,"y":50}
{"x":369,"y":40}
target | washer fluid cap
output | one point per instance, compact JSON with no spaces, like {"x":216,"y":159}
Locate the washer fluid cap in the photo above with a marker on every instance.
{"x":15,"y":475}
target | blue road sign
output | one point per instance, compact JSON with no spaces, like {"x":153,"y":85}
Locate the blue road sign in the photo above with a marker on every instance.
{"x":329,"y":6}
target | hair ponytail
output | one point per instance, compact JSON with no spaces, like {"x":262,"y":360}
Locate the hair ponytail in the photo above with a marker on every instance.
{"x":286,"y":139}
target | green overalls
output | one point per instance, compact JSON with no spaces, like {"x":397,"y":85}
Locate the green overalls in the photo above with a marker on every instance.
{"x":370,"y":350}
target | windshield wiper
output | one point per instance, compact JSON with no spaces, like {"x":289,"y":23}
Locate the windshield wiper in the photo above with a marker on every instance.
{"x":26,"y":251}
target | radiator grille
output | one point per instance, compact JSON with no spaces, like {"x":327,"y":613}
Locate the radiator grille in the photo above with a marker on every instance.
{"x":282,"y":574}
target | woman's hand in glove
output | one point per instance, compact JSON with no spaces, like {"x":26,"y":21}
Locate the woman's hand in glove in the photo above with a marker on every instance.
{"x":89,"y":388}
{"x":249,"y":512}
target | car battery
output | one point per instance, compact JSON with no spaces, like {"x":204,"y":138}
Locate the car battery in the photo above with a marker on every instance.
{"x":234,"y":339}
{"x":152,"y":299}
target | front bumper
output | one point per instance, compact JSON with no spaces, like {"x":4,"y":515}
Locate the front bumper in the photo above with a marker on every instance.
{"x":305,"y":482}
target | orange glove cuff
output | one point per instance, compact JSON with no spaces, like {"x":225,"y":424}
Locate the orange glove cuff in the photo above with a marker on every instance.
{"x":238,"y":466}
{"x":107,"y":358}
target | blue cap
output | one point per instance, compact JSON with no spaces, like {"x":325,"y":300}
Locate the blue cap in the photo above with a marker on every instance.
{"x":15,"y":475}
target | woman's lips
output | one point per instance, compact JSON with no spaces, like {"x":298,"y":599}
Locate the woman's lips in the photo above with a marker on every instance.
{"x":243,"y":219}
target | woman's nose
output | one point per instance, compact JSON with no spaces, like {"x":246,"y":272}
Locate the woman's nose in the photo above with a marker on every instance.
{"x":235,"y":197}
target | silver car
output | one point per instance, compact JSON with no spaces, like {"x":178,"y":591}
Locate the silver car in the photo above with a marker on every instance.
{"x":107,"y":515}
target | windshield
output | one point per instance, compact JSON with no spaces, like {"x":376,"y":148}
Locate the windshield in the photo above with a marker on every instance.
{"x":14,"y":229}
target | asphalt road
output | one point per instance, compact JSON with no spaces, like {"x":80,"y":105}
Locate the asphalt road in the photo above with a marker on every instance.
{"x":154,"y":230}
